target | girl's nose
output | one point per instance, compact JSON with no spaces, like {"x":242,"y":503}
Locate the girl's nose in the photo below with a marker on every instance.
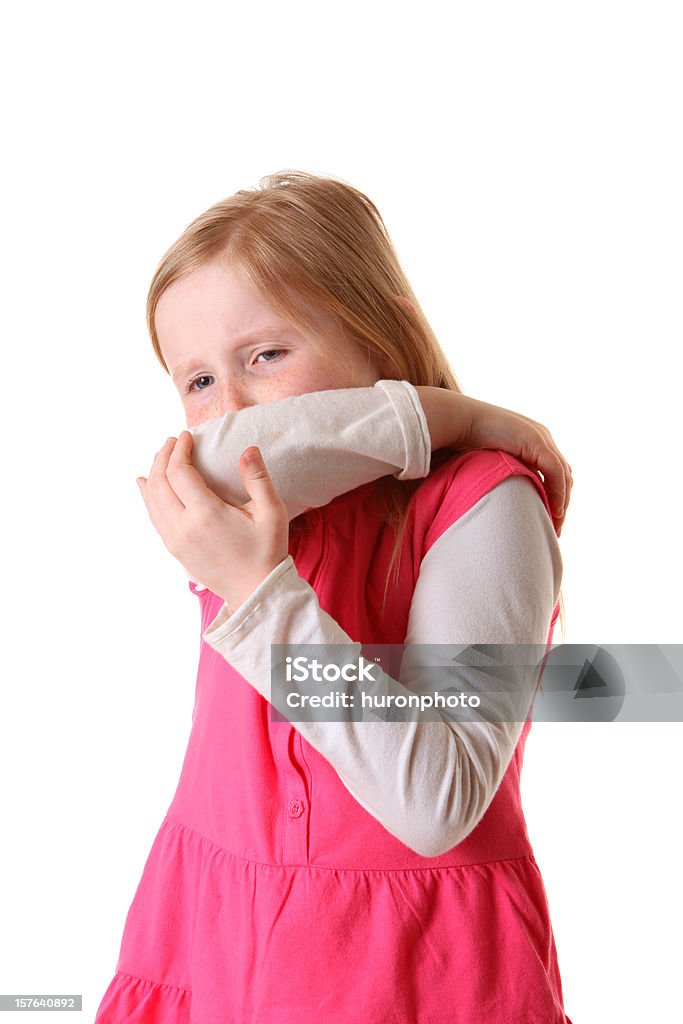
{"x":233,"y":398}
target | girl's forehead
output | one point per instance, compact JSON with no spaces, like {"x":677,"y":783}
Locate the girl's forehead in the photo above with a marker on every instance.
{"x":213,"y":287}
{"x":213,"y":299}
{"x":218,"y":298}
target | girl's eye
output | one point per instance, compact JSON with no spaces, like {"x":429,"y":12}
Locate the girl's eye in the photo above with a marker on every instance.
{"x":204,"y":380}
{"x":269,"y":352}
{"x":197,"y":380}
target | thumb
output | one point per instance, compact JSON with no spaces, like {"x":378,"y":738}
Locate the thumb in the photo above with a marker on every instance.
{"x":256,"y":478}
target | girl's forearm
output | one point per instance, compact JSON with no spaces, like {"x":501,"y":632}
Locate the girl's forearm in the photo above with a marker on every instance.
{"x":319,"y":444}
{"x":449,"y":416}
{"x":322,"y":444}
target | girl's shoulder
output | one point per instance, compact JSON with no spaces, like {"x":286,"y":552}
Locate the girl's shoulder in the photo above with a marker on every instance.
{"x":456,"y":482}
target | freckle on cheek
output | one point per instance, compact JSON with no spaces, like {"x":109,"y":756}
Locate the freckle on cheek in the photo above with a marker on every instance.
{"x":286,"y":383}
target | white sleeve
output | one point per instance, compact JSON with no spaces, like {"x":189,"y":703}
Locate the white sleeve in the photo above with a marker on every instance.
{"x":320,"y":444}
{"x":493,"y":577}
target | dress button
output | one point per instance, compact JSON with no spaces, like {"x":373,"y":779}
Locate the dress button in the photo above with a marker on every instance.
{"x":296,"y":808}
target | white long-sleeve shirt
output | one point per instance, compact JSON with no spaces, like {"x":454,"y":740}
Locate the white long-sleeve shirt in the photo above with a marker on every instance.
{"x":319,"y":444}
{"x":492,"y":577}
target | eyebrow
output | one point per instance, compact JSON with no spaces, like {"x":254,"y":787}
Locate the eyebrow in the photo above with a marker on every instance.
{"x":184,"y":368}
{"x":272,"y":332}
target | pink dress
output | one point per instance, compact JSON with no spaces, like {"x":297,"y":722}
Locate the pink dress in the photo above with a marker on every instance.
{"x":271,"y":896}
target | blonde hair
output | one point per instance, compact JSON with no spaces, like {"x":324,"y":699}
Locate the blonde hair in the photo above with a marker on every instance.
{"x":316,"y":246}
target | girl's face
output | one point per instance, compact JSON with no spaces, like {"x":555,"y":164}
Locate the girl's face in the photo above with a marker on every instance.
{"x":227,"y":348}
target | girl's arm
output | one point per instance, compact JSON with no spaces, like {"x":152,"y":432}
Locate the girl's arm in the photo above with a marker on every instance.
{"x":320,"y":444}
{"x":324,"y":443}
{"x":493,"y":577}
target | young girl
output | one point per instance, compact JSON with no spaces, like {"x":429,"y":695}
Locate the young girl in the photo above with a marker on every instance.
{"x":374,"y":872}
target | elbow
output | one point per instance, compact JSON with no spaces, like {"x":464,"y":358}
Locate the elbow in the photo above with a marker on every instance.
{"x":432,"y":848}
{"x":440,"y":836}
{"x":451,"y":823}
{"x":439,"y":843}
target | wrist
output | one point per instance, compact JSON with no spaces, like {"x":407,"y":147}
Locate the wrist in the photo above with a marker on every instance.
{"x":448,"y":414}
{"x":236,"y":593}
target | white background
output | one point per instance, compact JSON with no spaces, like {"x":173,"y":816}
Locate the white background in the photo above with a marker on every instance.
{"x":527,"y":160}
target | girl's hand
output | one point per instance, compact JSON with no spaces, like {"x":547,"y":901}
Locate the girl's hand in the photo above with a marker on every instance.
{"x":229,"y":549}
{"x":457,"y":421}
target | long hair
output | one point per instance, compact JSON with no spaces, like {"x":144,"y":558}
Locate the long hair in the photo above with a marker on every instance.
{"x":316,"y":245}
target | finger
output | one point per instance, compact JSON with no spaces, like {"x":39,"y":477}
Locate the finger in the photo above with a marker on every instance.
{"x":554,"y":478}
{"x":557,"y":455}
{"x":256,"y":480}
{"x":568,"y":480}
{"x":154,"y":468}
{"x":142,"y":481}
{"x":567,"y":483}
{"x":186,"y":480}
{"x":163,"y":504}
